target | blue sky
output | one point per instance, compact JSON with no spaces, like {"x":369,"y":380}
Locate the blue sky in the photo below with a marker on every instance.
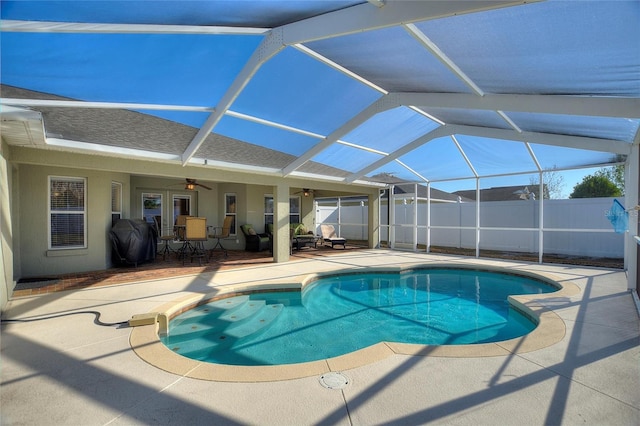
{"x":294,"y":89}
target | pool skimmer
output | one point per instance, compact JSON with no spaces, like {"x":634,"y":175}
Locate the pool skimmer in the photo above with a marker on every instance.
{"x":334,"y":380}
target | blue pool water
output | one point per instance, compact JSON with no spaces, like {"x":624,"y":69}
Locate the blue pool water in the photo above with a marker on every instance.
{"x":341,"y":314}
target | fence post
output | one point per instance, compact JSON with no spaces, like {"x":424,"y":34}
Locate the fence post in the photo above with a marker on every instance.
{"x":541,"y":221}
{"x":392,"y":217}
{"x":477,"y":217}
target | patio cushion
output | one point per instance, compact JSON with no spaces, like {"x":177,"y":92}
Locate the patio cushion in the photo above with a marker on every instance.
{"x":255,"y":241}
{"x":299,"y":229}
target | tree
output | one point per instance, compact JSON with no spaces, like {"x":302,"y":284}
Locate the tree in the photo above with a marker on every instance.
{"x":615,"y":174}
{"x":596,"y":185}
{"x":553,"y":183}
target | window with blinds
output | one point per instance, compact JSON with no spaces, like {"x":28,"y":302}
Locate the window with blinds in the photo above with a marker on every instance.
{"x":294,"y":209}
{"x":230,"y":210}
{"x":67,"y":213}
{"x":116,"y":202}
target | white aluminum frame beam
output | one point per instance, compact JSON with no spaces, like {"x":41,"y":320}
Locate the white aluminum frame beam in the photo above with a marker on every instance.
{"x":364,"y":17}
{"x":428,"y":44}
{"x":52,"y":103}
{"x":351,"y":20}
{"x":376,"y":107}
{"x":436,"y":133}
{"x":592,"y":144}
{"x":268,"y":48}
{"x":579,"y":142}
{"x":567,"y":105}
{"x":590,"y":106}
{"x":8,"y":25}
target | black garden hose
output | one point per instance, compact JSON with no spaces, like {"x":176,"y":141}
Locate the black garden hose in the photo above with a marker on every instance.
{"x":95,"y":321}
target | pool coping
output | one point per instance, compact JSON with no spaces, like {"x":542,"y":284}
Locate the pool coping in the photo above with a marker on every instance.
{"x":145,"y":339}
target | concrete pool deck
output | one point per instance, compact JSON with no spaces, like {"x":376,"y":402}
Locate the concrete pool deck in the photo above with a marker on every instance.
{"x":69,"y":370}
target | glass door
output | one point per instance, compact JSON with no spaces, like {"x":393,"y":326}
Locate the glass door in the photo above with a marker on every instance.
{"x":181,"y":206}
{"x":152,"y":210}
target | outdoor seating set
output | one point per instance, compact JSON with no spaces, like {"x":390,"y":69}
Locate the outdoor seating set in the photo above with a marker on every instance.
{"x":134,"y":241}
{"x":299,"y":237}
{"x":193,"y":232}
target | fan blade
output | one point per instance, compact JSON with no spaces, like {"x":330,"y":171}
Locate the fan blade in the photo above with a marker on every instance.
{"x":204,"y":186}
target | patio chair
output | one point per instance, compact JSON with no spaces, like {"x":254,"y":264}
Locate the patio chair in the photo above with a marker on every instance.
{"x":181,"y":222}
{"x":166,"y":238}
{"x":269,"y":232}
{"x":221,"y":233}
{"x":195,"y":235}
{"x":255,"y":241}
{"x":329,"y":236}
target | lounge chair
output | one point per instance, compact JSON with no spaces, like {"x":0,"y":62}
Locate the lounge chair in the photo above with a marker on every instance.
{"x":329,"y":236}
{"x":255,"y":241}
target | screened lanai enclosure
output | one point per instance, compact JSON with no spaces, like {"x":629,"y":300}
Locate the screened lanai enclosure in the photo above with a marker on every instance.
{"x":371,"y":95}
{"x":567,"y":228}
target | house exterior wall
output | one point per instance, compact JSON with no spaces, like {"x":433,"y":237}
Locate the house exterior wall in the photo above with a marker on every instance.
{"x":253,"y":209}
{"x":36,"y":260}
{"x":204,"y":202}
{"x":7,"y":283}
{"x":24,"y":200}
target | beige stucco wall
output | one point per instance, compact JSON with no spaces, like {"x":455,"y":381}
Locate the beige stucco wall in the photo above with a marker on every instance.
{"x":7,"y":282}
{"x":23,"y":204}
{"x":203,"y":201}
{"x":36,"y":259}
{"x":255,"y":206}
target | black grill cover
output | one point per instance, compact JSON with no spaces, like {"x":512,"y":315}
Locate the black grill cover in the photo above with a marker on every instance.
{"x":133,"y":241}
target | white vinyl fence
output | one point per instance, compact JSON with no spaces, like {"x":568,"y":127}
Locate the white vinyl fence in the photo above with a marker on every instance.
{"x":350,"y":217}
{"x":575,"y":227}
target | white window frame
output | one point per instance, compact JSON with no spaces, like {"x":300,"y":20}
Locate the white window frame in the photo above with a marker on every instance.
{"x":116,"y":187}
{"x":51,"y":212}
{"x":180,"y":196}
{"x":231,"y":211}
{"x":160,"y":197}
{"x":266,"y":197}
{"x":299,"y":214}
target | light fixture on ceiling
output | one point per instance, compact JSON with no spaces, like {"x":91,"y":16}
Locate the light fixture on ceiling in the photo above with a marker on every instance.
{"x":306,"y":192}
{"x":191,"y":184}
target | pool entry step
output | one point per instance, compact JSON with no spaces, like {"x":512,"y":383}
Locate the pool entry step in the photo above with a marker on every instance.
{"x":233,"y":320}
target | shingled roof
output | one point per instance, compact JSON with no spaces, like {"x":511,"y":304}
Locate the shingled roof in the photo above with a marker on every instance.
{"x":503,"y":193}
{"x":136,"y":130}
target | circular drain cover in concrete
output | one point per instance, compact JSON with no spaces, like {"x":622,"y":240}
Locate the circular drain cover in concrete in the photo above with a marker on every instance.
{"x":334,"y":380}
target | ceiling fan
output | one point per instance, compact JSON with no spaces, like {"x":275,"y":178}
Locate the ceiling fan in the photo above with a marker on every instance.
{"x":191,"y":184}
{"x":306,"y":192}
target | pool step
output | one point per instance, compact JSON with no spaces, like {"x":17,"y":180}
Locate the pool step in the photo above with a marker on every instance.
{"x":254,"y":324}
{"x":245,"y":311}
{"x":289,"y":298}
{"x":245,"y":319}
{"x":211,"y":318}
{"x":210,"y":310}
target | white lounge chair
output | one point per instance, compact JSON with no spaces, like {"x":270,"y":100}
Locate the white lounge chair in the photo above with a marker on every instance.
{"x":329,"y":236}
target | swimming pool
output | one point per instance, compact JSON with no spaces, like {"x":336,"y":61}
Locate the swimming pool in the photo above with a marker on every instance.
{"x":343,"y":313}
